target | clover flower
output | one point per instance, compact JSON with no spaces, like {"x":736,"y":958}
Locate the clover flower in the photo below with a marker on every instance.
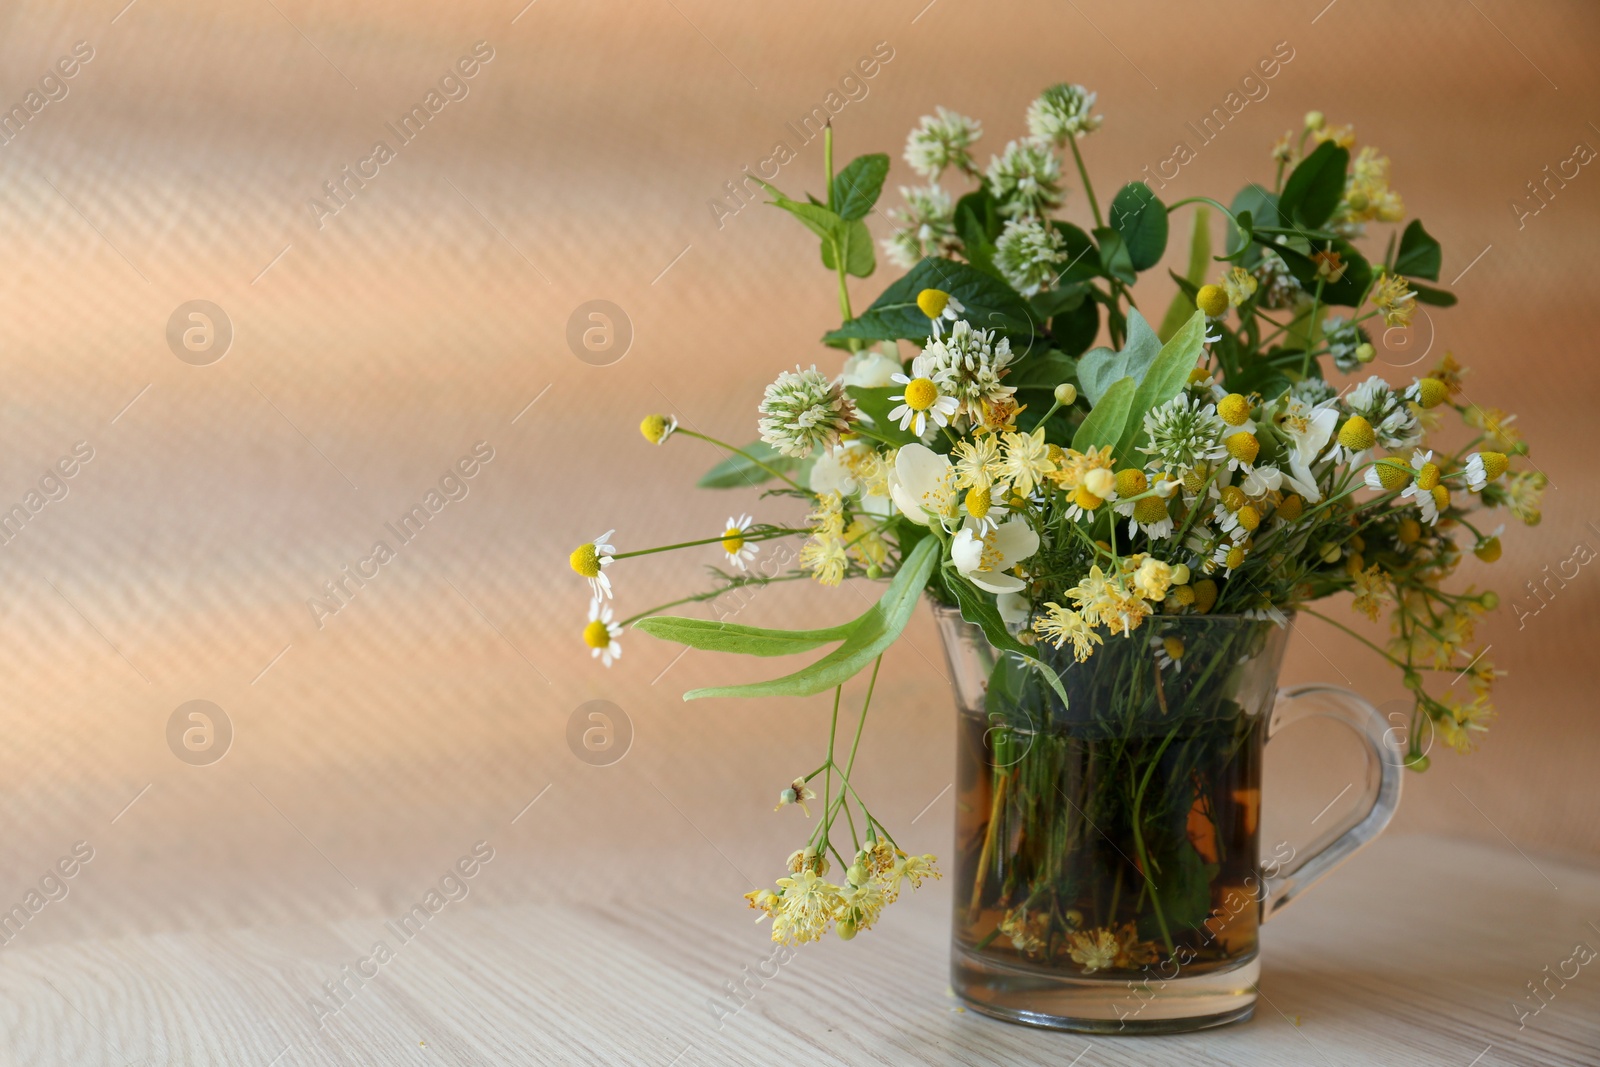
{"x":968,"y":366}
{"x":1061,"y":112}
{"x":924,"y":227}
{"x":941,"y":141}
{"x":802,"y":410}
{"x":1029,"y":253}
{"x":1183,"y":435}
{"x":1025,"y":178}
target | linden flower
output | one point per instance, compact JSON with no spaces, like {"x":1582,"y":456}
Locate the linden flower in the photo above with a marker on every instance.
{"x":922,"y":398}
{"x":1059,"y":625}
{"x":1394,"y":298}
{"x":1240,"y":285}
{"x":601,"y":634}
{"x":797,"y":792}
{"x":1025,"y":931}
{"x":591,"y":559}
{"x":984,"y":560}
{"x":740,"y":552}
{"x":922,"y":485}
{"x":1371,"y":587}
{"x":1027,"y":460}
{"x":1105,"y":600}
{"x":1308,"y":427}
{"x":977,"y":462}
{"x":804,"y":909}
{"x":824,"y":554}
{"x":1457,"y":728}
{"x":802,"y":410}
{"x":1025,"y":178}
{"x":941,"y":141}
{"x":1153,"y":578}
{"x":1093,"y":950}
{"x":1061,"y":112}
{"x":1028,"y":253}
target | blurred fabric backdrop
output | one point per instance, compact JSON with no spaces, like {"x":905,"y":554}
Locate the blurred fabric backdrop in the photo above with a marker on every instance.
{"x":376,"y":345}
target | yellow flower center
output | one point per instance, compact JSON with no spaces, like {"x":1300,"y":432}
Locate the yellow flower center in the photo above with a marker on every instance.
{"x":1131,"y":481}
{"x":978,"y":502}
{"x":1391,"y":475}
{"x":732,"y":540}
{"x":1291,"y":508}
{"x":1205,"y":595}
{"x":1085,"y":499}
{"x":586,"y":560}
{"x":1234,"y":409}
{"x":933,"y":302}
{"x":1441,"y":497}
{"x":596,"y":635}
{"x":1357,"y":435}
{"x":1428,"y":476}
{"x":1410,"y":531}
{"x":1431,"y":392}
{"x":654,"y":428}
{"x":1249,"y":517}
{"x":1235,"y":558}
{"x":1489,"y":550}
{"x":1233,"y":497}
{"x":1213,"y":300}
{"x":920,"y":392}
{"x":1243,"y":447}
{"x":1151,"y":509}
{"x":1173,"y":646}
{"x":1494,"y":464}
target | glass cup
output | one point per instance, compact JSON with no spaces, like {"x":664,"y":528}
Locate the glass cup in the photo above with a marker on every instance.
{"x":1108,"y":871}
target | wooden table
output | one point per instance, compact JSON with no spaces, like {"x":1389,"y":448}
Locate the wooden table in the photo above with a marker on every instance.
{"x":1415,"y":953}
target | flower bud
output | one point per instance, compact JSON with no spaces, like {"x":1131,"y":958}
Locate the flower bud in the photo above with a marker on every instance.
{"x":1101,"y":482}
{"x":1066,"y":393}
{"x":1365,"y":353}
{"x":1315,"y":121}
{"x":1418,"y":764}
{"x":1490,"y":600}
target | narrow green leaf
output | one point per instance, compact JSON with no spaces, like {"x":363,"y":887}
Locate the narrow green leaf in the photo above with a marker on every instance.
{"x":1141,"y":218}
{"x":714,"y":636}
{"x":1199,"y":263}
{"x":979,"y":609}
{"x":1439,"y":298}
{"x":738,"y":471}
{"x":1316,"y":185}
{"x":1420,"y":255}
{"x":1164,"y":380}
{"x":1104,"y":424}
{"x":858,"y":186}
{"x":869,"y":636}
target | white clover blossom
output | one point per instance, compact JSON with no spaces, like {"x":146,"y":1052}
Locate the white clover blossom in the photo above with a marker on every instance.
{"x":1061,"y":112}
{"x":1279,"y":287}
{"x":1029,"y":253}
{"x":801,"y":410}
{"x":1342,"y":341}
{"x":1313,"y":391}
{"x":941,"y":141}
{"x":1025,"y":178}
{"x":968,"y":365}
{"x":1183,"y":435}
{"x":924,"y":227}
{"x":1392,"y":419}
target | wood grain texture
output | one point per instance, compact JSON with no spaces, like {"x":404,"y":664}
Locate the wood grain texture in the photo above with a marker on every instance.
{"x":1412,"y":955}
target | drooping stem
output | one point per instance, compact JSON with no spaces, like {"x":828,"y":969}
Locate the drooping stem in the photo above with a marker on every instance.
{"x":739,"y":452}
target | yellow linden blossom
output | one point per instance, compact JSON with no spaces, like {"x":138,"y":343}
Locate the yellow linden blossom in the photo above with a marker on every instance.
{"x":1371,"y":587}
{"x":804,"y":909}
{"x":1026,"y":931}
{"x":1367,"y":196}
{"x":1059,"y":625}
{"x":1074,"y":466}
{"x":1107,"y":601}
{"x":1103,"y":948}
{"x":1152,"y":578}
{"x":1525,"y":489}
{"x":977,"y":462}
{"x":868,"y":468}
{"x":1393,"y":296}
{"x":1343,"y":136}
{"x":1496,"y":427}
{"x":1449,"y":372}
{"x":824,"y":555}
{"x":863,"y":541}
{"x":1000,"y":415}
{"x":1240,"y":285}
{"x":1462,"y":722}
{"x":1027,"y":460}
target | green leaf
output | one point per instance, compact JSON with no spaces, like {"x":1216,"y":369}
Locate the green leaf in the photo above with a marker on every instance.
{"x":1262,"y":208}
{"x":1420,"y":255}
{"x":1316,"y":186}
{"x":857,"y":239}
{"x":1115,"y":259}
{"x":876,"y":403}
{"x":991,"y":304}
{"x":818,"y":219}
{"x":1101,"y":367}
{"x":1199,"y":263}
{"x":979,"y":609}
{"x":1075,"y":330}
{"x":1108,"y":416}
{"x":1164,"y":380}
{"x":714,"y":636}
{"x":869,"y":636}
{"x":1083,"y":259}
{"x":858,"y":186}
{"x":1141,"y":218}
{"x":978,"y":224}
{"x":1043,"y":371}
{"x":1439,"y":298}
{"x":1183,"y":885}
{"x":1351,"y":286}
{"x":738,"y":471}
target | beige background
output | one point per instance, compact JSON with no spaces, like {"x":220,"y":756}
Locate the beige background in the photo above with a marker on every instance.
{"x":430,"y":312}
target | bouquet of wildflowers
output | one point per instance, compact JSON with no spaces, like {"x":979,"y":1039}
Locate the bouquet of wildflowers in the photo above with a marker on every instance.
{"x":971,"y":444}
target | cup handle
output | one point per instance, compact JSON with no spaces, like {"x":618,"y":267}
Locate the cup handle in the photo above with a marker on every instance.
{"x":1385,"y":766}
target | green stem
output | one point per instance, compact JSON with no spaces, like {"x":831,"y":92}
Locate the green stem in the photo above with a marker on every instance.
{"x":768,"y":535}
{"x":1088,"y":186}
{"x":740,"y":452}
{"x":1138,"y":841}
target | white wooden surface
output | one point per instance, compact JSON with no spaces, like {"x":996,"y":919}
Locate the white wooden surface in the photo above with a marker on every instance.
{"x":1412,"y":955}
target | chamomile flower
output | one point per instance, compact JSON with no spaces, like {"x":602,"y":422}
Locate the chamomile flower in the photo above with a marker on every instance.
{"x":739,"y":551}
{"x":941,"y":141}
{"x":591,"y":559}
{"x":601,"y":634}
{"x":940,"y":307}
{"x":1483,"y":468}
{"x":1168,"y":651}
{"x":1025,"y":178}
{"x":1394,"y":424}
{"x":657,"y":428}
{"x":922,"y":399}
